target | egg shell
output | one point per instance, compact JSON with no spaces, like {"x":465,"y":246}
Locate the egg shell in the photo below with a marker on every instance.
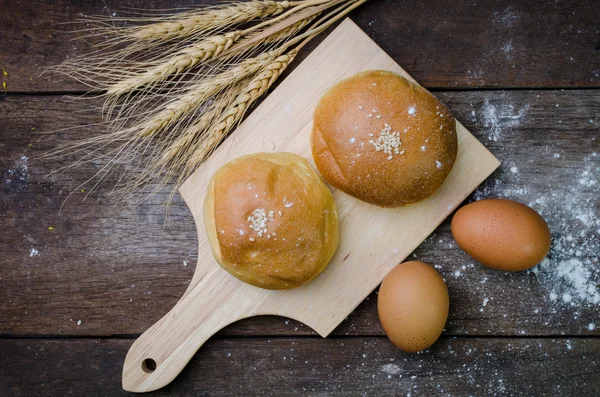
{"x":413,"y":305}
{"x":502,"y":234}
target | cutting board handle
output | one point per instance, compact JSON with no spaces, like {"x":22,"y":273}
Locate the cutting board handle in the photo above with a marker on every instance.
{"x":161,"y":353}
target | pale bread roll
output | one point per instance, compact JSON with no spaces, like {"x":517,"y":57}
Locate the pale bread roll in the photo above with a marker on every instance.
{"x":382,"y":139}
{"x":271,"y":221}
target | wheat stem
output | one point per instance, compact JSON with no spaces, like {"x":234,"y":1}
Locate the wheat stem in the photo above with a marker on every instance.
{"x":198,"y":93}
{"x":258,"y":86}
{"x":298,"y":7}
{"x":171,"y":152}
{"x":180,"y":85}
{"x":184,"y":60}
{"x":329,"y":20}
{"x":287,"y":32}
{"x":217,"y":18}
{"x":189,"y":57}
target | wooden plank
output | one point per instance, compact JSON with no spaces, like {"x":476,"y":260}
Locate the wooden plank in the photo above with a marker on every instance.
{"x":314,"y":366}
{"x":133,"y":269}
{"x":495,"y":43}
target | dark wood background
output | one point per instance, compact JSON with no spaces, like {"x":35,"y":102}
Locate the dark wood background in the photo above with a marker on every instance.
{"x":523,"y":76}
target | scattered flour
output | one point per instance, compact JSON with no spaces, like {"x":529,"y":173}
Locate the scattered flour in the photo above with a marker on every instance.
{"x":498,"y":190}
{"x":391,"y":369}
{"x":18,"y":172}
{"x":506,"y":18}
{"x":572,"y":276}
{"x":496,"y":118}
{"x":475,"y":74}
{"x":587,"y":178}
{"x":571,"y":272}
{"x":484,"y":303}
{"x":507,"y":49}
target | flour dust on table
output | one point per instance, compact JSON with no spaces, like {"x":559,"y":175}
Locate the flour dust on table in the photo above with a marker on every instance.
{"x":498,"y":117}
{"x":570,"y":272}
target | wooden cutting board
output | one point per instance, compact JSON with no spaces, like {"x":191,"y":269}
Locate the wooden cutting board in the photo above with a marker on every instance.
{"x":372,"y":240}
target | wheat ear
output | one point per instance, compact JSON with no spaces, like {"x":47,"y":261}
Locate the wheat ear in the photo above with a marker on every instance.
{"x":199,"y":92}
{"x":174,"y":153}
{"x":114,"y":57}
{"x":189,"y":57}
{"x":182,"y":61}
{"x":225,"y":108}
{"x":207,"y":20}
{"x":183,"y":82}
{"x":257,"y":86}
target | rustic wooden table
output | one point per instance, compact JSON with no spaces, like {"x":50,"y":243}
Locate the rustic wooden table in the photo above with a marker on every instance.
{"x":77,"y":286}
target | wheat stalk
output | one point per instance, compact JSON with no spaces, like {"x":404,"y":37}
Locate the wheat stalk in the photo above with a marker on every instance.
{"x":184,"y":82}
{"x":198,"y":93}
{"x":190,"y":57}
{"x":169,"y":152}
{"x":145,"y":38}
{"x":258,"y":86}
{"x":285,"y":33}
{"x":158,"y":65}
{"x":185,"y":150}
{"x":212,"y":19}
{"x":187,"y":58}
{"x":176,"y":152}
{"x":184,"y":60}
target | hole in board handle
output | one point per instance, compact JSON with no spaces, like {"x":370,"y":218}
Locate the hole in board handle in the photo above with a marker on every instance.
{"x":148,"y":365}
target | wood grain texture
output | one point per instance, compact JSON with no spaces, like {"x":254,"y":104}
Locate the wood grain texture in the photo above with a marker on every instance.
{"x":383,"y":237}
{"x":481,"y":43}
{"x":133,"y":263}
{"x":315,"y":366}
{"x":118,"y":270}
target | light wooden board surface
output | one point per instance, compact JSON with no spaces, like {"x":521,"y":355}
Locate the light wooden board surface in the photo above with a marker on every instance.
{"x":372,"y":240}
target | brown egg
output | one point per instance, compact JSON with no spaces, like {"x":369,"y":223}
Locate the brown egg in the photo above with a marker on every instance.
{"x":413,"y":305}
{"x":502,"y":234}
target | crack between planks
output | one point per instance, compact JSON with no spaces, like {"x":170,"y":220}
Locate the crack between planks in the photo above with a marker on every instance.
{"x":432,"y":89}
{"x":290,"y":336}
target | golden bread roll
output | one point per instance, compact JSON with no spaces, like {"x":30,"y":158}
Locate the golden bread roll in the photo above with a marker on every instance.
{"x":271,"y":221}
{"x":383,"y":139}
